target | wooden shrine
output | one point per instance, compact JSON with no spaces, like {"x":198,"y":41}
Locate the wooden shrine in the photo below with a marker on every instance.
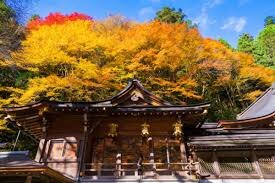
{"x":138,"y":136}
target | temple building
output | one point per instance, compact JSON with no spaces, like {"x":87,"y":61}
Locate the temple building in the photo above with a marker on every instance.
{"x":138,"y":137}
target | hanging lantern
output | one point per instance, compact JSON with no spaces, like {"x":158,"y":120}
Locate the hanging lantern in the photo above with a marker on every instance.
{"x":113,"y":130}
{"x":145,"y":129}
{"x":177,"y":129}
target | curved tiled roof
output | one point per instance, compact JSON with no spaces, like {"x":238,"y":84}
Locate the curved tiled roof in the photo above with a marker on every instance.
{"x":264,"y":105}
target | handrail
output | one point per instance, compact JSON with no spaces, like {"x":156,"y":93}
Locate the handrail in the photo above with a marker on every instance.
{"x":195,"y":163}
{"x":118,"y":168}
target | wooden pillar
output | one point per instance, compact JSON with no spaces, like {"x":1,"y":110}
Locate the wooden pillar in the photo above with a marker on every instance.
{"x":151,"y":155}
{"x":255,"y":163}
{"x":216,"y":166}
{"x":194,"y":155}
{"x":193,"y":169}
{"x":118,"y":164}
{"x":167,"y":153}
{"x":28,"y":179}
{"x":183,"y":151}
{"x":40,"y":155}
{"x":83,"y":146}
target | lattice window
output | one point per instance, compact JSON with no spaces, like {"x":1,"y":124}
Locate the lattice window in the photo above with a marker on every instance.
{"x":206,"y":163}
{"x":266,"y":160}
{"x":235,"y":163}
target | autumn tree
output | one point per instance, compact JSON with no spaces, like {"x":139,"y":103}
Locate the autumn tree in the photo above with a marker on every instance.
{"x":80,"y":59}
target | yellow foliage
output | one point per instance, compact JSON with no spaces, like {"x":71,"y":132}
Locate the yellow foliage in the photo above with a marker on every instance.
{"x":87,"y":60}
{"x":253,"y":95}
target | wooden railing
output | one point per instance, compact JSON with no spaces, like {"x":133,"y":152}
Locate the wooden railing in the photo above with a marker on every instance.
{"x":261,"y":168}
{"x":149,"y":169}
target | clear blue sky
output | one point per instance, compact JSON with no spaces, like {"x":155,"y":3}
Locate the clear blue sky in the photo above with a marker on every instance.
{"x":216,"y":18}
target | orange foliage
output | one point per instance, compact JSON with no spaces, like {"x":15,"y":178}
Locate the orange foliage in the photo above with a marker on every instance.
{"x":77,"y":59}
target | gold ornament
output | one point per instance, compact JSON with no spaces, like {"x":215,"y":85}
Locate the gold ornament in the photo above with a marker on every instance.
{"x":177,"y":129}
{"x":145,"y":129}
{"x":113,"y":130}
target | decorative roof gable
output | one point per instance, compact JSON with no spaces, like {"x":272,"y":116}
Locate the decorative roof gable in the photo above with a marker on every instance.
{"x":135,"y":95}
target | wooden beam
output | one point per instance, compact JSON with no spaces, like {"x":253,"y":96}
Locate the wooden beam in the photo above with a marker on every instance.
{"x":28,"y":118}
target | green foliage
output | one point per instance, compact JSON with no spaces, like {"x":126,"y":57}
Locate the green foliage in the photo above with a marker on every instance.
{"x":269,"y":20}
{"x":265,"y":47}
{"x":6,"y":13}
{"x":225,"y":43}
{"x":170,"y":15}
{"x":33,"y":17}
{"x":246,"y":43}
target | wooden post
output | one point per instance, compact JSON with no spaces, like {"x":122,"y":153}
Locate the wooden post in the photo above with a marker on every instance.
{"x":118,"y":164}
{"x":216,"y":166}
{"x":255,"y":163}
{"x":83,"y":147}
{"x":182,"y":143}
{"x":28,"y":179}
{"x":167,"y":153}
{"x":183,"y":151}
{"x":151,"y":156}
{"x":192,"y":160}
{"x":40,"y":155}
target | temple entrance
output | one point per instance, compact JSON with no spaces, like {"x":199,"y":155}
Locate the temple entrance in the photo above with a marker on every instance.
{"x":121,"y":156}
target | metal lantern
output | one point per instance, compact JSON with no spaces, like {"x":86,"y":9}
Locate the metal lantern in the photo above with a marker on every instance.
{"x":177,"y":129}
{"x":113,"y":130}
{"x":145,"y":129}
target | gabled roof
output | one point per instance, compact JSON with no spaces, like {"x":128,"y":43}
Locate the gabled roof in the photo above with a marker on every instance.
{"x":263,"y":105}
{"x":134,"y":100}
{"x":260,"y":114}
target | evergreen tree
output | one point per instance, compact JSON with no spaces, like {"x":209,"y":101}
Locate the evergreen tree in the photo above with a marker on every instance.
{"x":170,"y":15}
{"x":269,"y":20}
{"x":264,"y":52}
{"x":245,"y":43}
